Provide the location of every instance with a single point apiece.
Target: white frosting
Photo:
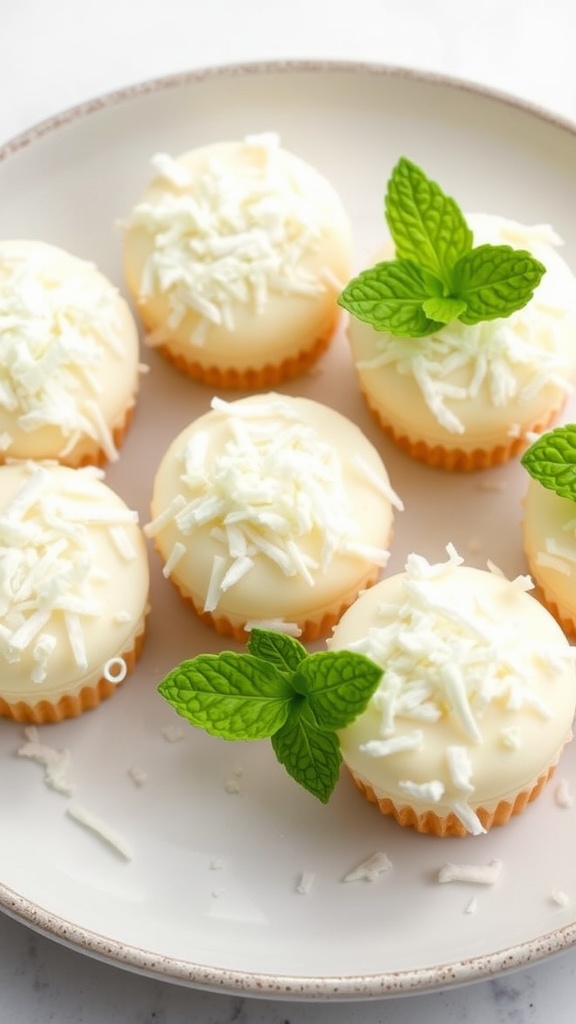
(473, 386)
(72, 599)
(69, 355)
(271, 507)
(549, 533)
(466, 654)
(227, 243)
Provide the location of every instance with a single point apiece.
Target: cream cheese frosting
(73, 582)
(68, 356)
(473, 386)
(271, 508)
(236, 254)
(477, 694)
(549, 534)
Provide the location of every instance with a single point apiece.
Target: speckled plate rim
(276, 986)
(256, 984)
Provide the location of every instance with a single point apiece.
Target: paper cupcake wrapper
(453, 458)
(73, 705)
(431, 823)
(252, 378)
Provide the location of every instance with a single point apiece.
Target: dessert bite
(549, 522)
(475, 702)
(272, 511)
(235, 256)
(74, 587)
(463, 332)
(69, 360)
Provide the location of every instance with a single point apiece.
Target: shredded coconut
(369, 870)
(265, 493)
(99, 828)
(231, 235)
(57, 763)
(563, 794)
(54, 328)
(305, 883)
(478, 874)
(47, 565)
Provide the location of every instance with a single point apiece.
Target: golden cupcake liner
(457, 459)
(430, 823)
(73, 705)
(315, 628)
(252, 378)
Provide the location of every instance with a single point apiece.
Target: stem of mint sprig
(551, 460)
(277, 690)
(438, 275)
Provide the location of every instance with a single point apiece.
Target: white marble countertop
(57, 54)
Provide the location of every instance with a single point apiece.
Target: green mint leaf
(443, 309)
(337, 686)
(311, 756)
(235, 696)
(427, 226)
(552, 460)
(495, 281)
(279, 649)
(390, 297)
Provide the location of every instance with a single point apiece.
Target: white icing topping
(491, 372)
(233, 236)
(54, 327)
(264, 493)
(476, 674)
(49, 572)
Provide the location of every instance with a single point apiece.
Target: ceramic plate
(219, 836)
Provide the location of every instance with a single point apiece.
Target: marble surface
(54, 55)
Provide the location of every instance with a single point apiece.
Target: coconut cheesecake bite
(235, 255)
(272, 511)
(549, 522)
(74, 587)
(475, 702)
(69, 360)
(463, 332)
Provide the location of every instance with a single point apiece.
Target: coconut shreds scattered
(478, 874)
(236, 237)
(563, 794)
(369, 870)
(305, 883)
(472, 906)
(100, 829)
(232, 786)
(172, 733)
(559, 898)
(56, 763)
(138, 775)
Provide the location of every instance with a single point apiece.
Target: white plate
(210, 898)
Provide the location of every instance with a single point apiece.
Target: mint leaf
(438, 276)
(235, 696)
(427, 226)
(338, 686)
(390, 297)
(552, 460)
(495, 281)
(443, 309)
(277, 689)
(309, 754)
(279, 649)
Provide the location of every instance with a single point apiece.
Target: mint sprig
(438, 276)
(277, 689)
(551, 460)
